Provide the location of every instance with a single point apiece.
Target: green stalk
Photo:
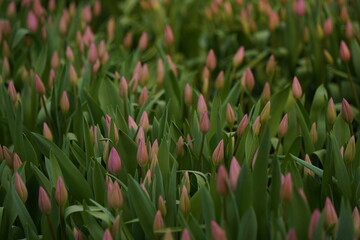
(200, 154)
(353, 87)
(50, 226)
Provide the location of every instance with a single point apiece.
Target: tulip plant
(165, 119)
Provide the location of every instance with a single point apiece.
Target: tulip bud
(219, 82)
(143, 41)
(11, 9)
(184, 202)
(222, 181)
(356, 220)
(313, 133)
(345, 54)
(39, 85)
(32, 22)
(328, 26)
(300, 7)
(114, 162)
(168, 234)
(329, 59)
(86, 14)
(123, 88)
(307, 170)
(47, 132)
(97, 8)
(16, 161)
(160, 72)
(114, 195)
(234, 173)
(140, 135)
(211, 60)
(154, 149)
(55, 62)
(247, 80)
(51, 77)
(201, 105)
(171, 64)
(20, 188)
(217, 232)
(127, 40)
(144, 121)
(61, 193)
(8, 156)
(158, 223)
(162, 206)
(350, 151)
(106, 151)
(331, 112)
(143, 96)
(188, 95)
(115, 229)
(291, 235)
(132, 124)
(144, 74)
(256, 126)
(218, 154)
(69, 54)
(64, 103)
(346, 112)
(186, 181)
(230, 115)
(142, 154)
(296, 88)
(107, 235)
(266, 93)
(185, 235)
(265, 113)
(286, 187)
(169, 36)
(283, 126)
(330, 213)
(349, 30)
(180, 151)
(147, 178)
(44, 201)
(239, 57)
(92, 54)
(73, 77)
(313, 222)
(270, 66)
(242, 125)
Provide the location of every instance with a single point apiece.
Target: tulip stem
(62, 223)
(75, 97)
(200, 154)
(278, 146)
(50, 226)
(353, 87)
(42, 98)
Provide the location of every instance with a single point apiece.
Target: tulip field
(179, 119)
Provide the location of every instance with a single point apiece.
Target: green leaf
(346, 225)
(20, 34)
(208, 210)
(248, 226)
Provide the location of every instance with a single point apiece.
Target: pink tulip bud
(328, 26)
(201, 105)
(204, 123)
(234, 173)
(115, 229)
(350, 151)
(63, 25)
(97, 8)
(266, 93)
(256, 126)
(230, 115)
(307, 170)
(147, 179)
(271, 64)
(47, 132)
(286, 187)
(217, 232)
(123, 88)
(140, 135)
(205, 74)
(346, 112)
(242, 125)
(220, 81)
(184, 202)
(143, 41)
(107, 235)
(168, 234)
(296, 88)
(69, 54)
(73, 77)
(12, 91)
(88, 38)
(331, 112)
(144, 121)
(127, 40)
(143, 96)
(38, 9)
(185, 235)
(64, 103)
(16, 161)
(162, 206)
(51, 78)
(114, 195)
(222, 181)
(189, 141)
(110, 27)
(345, 54)
(142, 154)
(39, 85)
(300, 7)
(247, 80)
(171, 64)
(132, 124)
(32, 22)
(349, 32)
(344, 16)
(144, 74)
(114, 161)
(211, 60)
(180, 151)
(302, 194)
(101, 48)
(265, 113)
(188, 95)
(218, 154)
(44, 201)
(158, 222)
(61, 193)
(52, 5)
(55, 62)
(313, 133)
(169, 36)
(313, 222)
(93, 54)
(356, 220)
(8, 156)
(11, 9)
(86, 14)
(330, 213)
(160, 72)
(20, 188)
(291, 235)
(239, 57)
